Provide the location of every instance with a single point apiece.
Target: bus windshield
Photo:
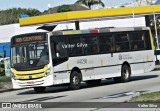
(29, 55)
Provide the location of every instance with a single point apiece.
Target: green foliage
(63, 8)
(151, 23)
(5, 79)
(149, 97)
(11, 16)
(89, 3)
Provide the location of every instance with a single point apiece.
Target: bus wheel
(39, 89)
(94, 82)
(75, 80)
(125, 74)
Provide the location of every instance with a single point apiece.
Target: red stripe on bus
(93, 31)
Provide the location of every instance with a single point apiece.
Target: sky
(42, 5)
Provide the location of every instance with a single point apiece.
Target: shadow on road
(56, 89)
(53, 89)
(42, 99)
(137, 78)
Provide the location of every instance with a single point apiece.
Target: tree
(89, 3)
(151, 22)
(11, 16)
(63, 8)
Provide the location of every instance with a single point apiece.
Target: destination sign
(28, 38)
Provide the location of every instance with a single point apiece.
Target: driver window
(61, 50)
(59, 47)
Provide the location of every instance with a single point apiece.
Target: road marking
(123, 94)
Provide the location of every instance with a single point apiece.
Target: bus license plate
(30, 83)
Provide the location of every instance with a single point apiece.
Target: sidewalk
(157, 66)
(5, 86)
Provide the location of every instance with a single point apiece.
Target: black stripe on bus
(102, 66)
(141, 62)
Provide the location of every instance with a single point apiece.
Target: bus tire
(125, 74)
(39, 89)
(94, 82)
(75, 80)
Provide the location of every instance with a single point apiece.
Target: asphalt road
(108, 91)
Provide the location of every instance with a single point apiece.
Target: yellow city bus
(45, 59)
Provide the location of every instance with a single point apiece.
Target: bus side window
(59, 49)
(118, 48)
(76, 48)
(92, 46)
(137, 41)
(105, 43)
(60, 46)
(147, 40)
(135, 47)
(53, 50)
(122, 42)
(95, 49)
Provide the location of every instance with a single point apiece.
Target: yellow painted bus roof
(89, 15)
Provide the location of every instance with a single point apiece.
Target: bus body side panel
(62, 71)
(143, 62)
(106, 66)
(149, 57)
(137, 63)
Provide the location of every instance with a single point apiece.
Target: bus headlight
(48, 72)
(13, 75)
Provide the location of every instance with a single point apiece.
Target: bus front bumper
(44, 81)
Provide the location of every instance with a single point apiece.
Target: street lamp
(49, 6)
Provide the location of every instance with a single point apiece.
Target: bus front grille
(30, 76)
